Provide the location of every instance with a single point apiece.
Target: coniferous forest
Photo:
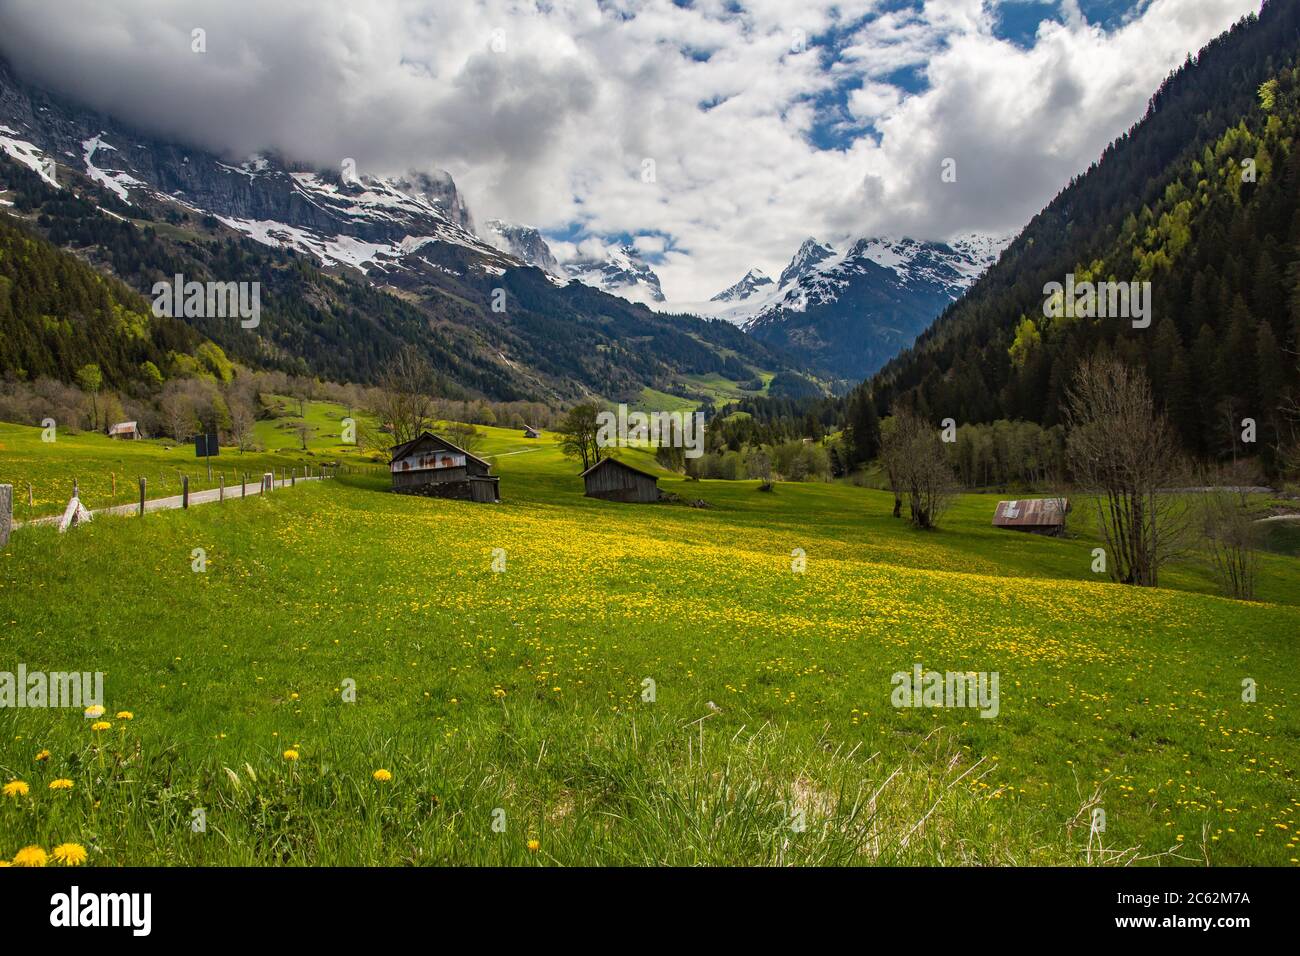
(1201, 199)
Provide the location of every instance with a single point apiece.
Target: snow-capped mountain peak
(620, 270)
(523, 242)
(755, 282)
(852, 309)
(810, 253)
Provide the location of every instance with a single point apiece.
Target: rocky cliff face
(524, 243)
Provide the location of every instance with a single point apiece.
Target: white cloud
(548, 121)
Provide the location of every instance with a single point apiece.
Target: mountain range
(352, 265)
(847, 310)
(837, 313)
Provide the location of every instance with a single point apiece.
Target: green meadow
(560, 680)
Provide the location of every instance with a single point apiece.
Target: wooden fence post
(243, 485)
(185, 491)
(222, 494)
(141, 496)
(6, 512)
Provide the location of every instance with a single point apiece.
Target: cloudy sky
(716, 135)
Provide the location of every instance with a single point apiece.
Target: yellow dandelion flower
(4, 863)
(43, 756)
(534, 846)
(15, 788)
(291, 755)
(125, 715)
(61, 784)
(100, 725)
(94, 710)
(382, 775)
(30, 856)
(70, 854)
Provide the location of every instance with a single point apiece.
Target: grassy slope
(523, 690)
(280, 433)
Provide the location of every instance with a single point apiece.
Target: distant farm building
(1035, 515)
(124, 430)
(531, 432)
(614, 480)
(433, 466)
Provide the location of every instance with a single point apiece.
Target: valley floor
(639, 685)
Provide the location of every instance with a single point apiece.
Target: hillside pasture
(639, 684)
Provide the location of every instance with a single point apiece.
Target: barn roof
(1031, 512)
(398, 451)
(621, 464)
(122, 427)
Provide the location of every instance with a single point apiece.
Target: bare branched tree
(406, 404)
(1123, 451)
(759, 465)
(242, 420)
(465, 435)
(179, 415)
(917, 464)
(1229, 533)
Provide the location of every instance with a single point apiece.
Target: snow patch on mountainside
(115, 181)
(25, 153)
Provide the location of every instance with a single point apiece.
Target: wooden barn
(1035, 515)
(432, 466)
(615, 480)
(124, 430)
(531, 432)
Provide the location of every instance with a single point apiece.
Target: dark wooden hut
(615, 480)
(1036, 515)
(431, 465)
(531, 432)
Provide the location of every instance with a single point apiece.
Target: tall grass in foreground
(651, 790)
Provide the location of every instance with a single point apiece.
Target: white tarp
(73, 515)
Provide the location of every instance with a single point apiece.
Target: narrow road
(507, 454)
(169, 503)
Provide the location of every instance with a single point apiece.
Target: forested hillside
(57, 315)
(1202, 199)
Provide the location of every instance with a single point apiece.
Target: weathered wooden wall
(618, 484)
(428, 476)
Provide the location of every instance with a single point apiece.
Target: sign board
(206, 446)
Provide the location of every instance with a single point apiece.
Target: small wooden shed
(430, 465)
(531, 432)
(615, 480)
(124, 430)
(1035, 515)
